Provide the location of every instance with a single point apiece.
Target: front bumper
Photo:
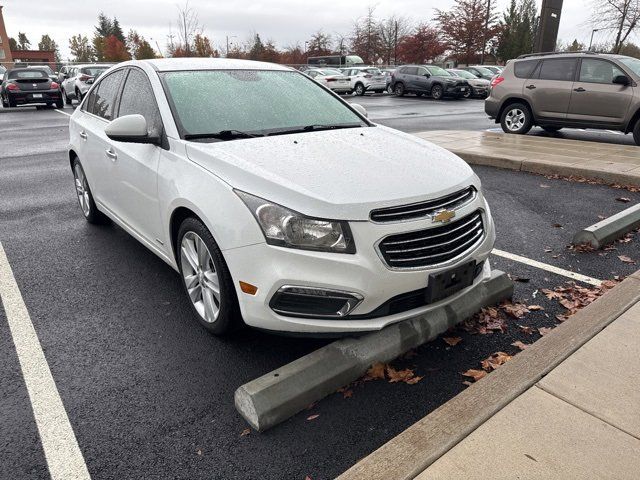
(482, 92)
(456, 90)
(27, 98)
(362, 273)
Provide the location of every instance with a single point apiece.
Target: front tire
(636, 133)
(516, 118)
(206, 279)
(399, 89)
(437, 92)
(85, 197)
(360, 90)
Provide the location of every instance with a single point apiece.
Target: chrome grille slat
(433, 246)
(423, 209)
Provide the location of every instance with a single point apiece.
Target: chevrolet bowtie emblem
(443, 216)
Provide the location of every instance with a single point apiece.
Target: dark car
(24, 86)
(428, 80)
(480, 71)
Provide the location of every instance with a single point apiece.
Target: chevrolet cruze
(280, 205)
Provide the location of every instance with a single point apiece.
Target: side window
(598, 71)
(524, 68)
(411, 70)
(105, 95)
(422, 71)
(138, 97)
(562, 69)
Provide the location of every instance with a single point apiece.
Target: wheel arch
(72, 156)
(179, 215)
(632, 123)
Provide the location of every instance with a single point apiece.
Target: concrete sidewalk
(543, 155)
(567, 407)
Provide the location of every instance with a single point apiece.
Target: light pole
(228, 37)
(484, 33)
(591, 41)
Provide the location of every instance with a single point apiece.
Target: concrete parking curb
(278, 395)
(411, 452)
(609, 229)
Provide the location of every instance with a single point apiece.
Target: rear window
(524, 68)
(93, 71)
(374, 71)
(563, 69)
(28, 74)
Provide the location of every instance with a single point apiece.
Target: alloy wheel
(82, 189)
(200, 276)
(514, 120)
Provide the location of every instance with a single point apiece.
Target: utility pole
(591, 41)
(395, 46)
(547, 33)
(484, 33)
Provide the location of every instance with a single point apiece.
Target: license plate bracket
(444, 284)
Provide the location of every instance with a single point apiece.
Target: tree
(319, 44)
(365, 38)
(102, 31)
(13, 45)
(188, 27)
(202, 46)
(293, 55)
(270, 52)
(257, 48)
(467, 27)
(421, 46)
(621, 16)
(393, 31)
(115, 50)
(116, 30)
(139, 48)
(23, 42)
(47, 43)
(575, 46)
(630, 50)
(517, 29)
(80, 49)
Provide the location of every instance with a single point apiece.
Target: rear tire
(10, 102)
(67, 100)
(59, 104)
(79, 96)
(398, 89)
(85, 197)
(636, 133)
(204, 272)
(436, 92)
(516, 118)
(360, 90)
(4, 103)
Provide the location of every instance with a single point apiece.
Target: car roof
(177, 64)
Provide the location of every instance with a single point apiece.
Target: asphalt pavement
(149, 393)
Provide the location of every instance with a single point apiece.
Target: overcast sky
(284, 21)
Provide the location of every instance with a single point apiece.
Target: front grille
(433, 246)
(422, 209)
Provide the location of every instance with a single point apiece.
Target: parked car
(365, 79)
(496, 69)
(428, 80)
(582, 90)
(330, 78)
(388, 74)
(2, 71)
(79, 79)
(479, 86)
(480, 71)
(264, 191)
(25, 86)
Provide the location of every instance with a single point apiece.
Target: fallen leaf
(453, 341)
(535, 308)
(548, 249)
(312, 417)
(550, 294)
(406, 375)
(561, 318)
(199, 452)
(520, 345)
(526, 329)
(475, 374)
(557, 225)
(467, 383)
(495, 360)
(347, 394)
(544, 330)
(625, 259)
(375, 372)
(515, 310)
(623, 199)
(245, 432)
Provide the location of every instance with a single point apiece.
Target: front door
(595, 98)
(550, 93)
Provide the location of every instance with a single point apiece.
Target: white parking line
(61, 450)
(547, 267)
(63, 113)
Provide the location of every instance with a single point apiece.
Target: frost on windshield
(210, 101)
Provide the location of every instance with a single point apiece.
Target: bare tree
(621, 16)
(188, 27)
(392, 31)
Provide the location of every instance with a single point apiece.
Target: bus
(335, 61)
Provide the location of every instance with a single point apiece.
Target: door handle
(83, 135)
(111, 154)
(579, 89)
(531, 87)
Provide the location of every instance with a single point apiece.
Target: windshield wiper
(222, 135)
(315, 128)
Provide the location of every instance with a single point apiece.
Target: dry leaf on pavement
(520, 345)
(452, 341)
(535, 308)
(544, 330)
(407, 376)
(495, 360)
(245, 432)
(375, 372)
(313, 417)
(515, 310)
(626, 259)
(475, 374)
(623, 199)
(526, 329)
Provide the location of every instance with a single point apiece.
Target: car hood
(339, 174)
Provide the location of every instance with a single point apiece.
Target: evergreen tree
(517, 29)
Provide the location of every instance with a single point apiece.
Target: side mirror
(621, 80)
(90, 81)
(130, 128)
(427, 75)
(360, 109)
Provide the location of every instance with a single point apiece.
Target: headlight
(287, 228)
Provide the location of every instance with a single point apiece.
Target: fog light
(294, 301)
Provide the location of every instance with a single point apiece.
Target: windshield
(484, 71)
(632, 63)
(438, 71)
(28, 74)
(93, 71)
(252, 101)
(464, 74)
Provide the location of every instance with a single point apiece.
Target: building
(9, 58)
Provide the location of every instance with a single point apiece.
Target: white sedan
(332, 79)
(277, 213)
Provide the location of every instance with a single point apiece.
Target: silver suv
(578, 90)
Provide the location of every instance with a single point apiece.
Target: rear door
(595, 98)
(550, 93)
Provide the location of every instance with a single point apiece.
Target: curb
(604, 232)
(410, 453)
(278, 395)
